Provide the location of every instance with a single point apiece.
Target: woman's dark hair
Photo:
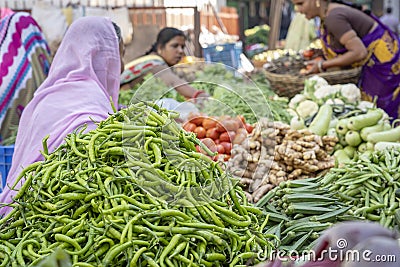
(163, 37)
(118, 31)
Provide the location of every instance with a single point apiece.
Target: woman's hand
(199, 98)
(314, 66)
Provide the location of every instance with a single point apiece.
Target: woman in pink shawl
(83, 76)
(24, 65)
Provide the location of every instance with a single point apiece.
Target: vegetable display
(250, 97)
(220, 132)
(274, 153)
(299, 211)
(132, 192)
(151, 89)
(369, 184)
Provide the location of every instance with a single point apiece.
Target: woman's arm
(180, 85)
(356, 51)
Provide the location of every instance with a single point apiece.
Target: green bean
(133, 262)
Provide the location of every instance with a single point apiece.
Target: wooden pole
(275, 23)
(197, 47)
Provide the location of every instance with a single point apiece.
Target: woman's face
(173, 52)
(122, 54)
(307, 7)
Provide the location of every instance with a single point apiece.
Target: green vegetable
(341, 157)
(359, 122)
(386, 145)
(341, 126)
(362, 147)
(130, 191)
(297, 123)
(371, 129)
(353, 138)
(350, 151)
(332, 132)
(320, 124)
(392, 135)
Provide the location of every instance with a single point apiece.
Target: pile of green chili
(132, 192)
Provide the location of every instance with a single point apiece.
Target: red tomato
(230, 125)
(209, 123)
(210, 144)
(189, 126)
(220, 149)
(212, 133)
(232, 135)
(227, 146)
(220, 127)
(196, 118)
(224, 137)
(217, 141)
(249, 127)
(200, 132)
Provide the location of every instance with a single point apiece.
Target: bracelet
(320, 68)
(199, 92)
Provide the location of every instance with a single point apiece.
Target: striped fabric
(139, 67)
(24, 64)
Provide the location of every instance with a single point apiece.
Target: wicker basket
(290, 85)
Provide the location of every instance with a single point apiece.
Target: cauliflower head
(351, 92)
(296, 100)
(307, 108)
(319, 81)
(326, 91)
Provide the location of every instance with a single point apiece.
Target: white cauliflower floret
(325, 91)
(336, 101)
(365, 105)
(351, 92)
(307, 108)
(296, 100)
(319, 81)
(292, 112)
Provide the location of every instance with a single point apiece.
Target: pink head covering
(5, 11)
(84, 74)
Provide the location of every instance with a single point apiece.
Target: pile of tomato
(219, 134)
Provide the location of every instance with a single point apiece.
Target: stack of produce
(218, 133)
(235, 94)
(131, 192)
(298, 211)
(344, 98)
(274, 153)
(369, 184)
(360, 133)
(151, 89)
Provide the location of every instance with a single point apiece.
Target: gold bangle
(320, 68)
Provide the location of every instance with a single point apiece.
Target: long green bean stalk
(300, 210)
(132, 192)
(369, 183)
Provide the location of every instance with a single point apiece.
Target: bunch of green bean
(298, 211)
(369, 184)
(132, 192)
